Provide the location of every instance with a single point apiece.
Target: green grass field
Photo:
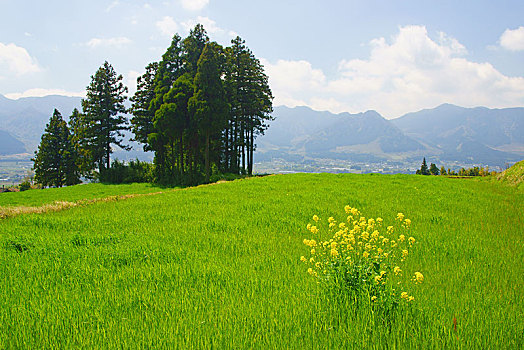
(218, 266)
(73, 193)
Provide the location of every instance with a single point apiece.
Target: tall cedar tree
(208, 103)
(142, 120)
(102, 109)
(78, 130)
(55, 159)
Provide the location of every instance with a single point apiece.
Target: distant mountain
(26, 118)
(479, 135)
(303, 132)
(9, 144)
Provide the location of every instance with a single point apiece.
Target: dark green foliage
(55, 160)
(200, 109)
(208, 104)
(134, 171)
(423, 168)
(433, 170)
(103, 118)
(443, 171)
(24, 186)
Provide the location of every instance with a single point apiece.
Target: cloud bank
(513, 40)
(16, 60)
(43, 92)
(410, 72)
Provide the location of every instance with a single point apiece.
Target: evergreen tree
(55, 159)
(423, 168)
(142, 120)
(208, 103)
(78, 131)
(433, 170)
(443, 171)
(103, 110)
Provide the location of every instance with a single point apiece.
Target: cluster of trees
(199, 109)
(434, 170)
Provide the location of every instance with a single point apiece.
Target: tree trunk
(207, 156)
(251, 149)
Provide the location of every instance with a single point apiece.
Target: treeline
(434, 170)
(199, 109)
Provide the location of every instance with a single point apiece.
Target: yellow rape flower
(334, 252)
(316, 218)
(312, 260)
(411, 240)
(380, 250)
(378, 279)
(373, 298)
(418, 278)
(411, 298)
(401, 238)
(314, 229)
(331, 219)
(342, 225)
(407, 222)
(303, 258)
(313, 251)
(397, 270)
(308, 227)
(390, 229)
(365, 254)
(347, 209)
(400, 216)
(404, 253)
(331, 225)
(404, 295)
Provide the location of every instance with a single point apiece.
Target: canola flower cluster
(363, 256)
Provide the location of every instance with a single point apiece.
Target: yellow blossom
(385, 241)
(347, 208)
(397, 270)
(404, 295)
(303, 258)
(334, 252)
(316, 218)
(386, 255)
(342, 225)
(378, 279)
(312, 260)
(380, 250)
(401, 238)
(331, 225)
(373, 298)
(400, 216)
(407, 222)
(390, 229)
(308, 227)
(419, 278)
(313, 251)
(331, 219)
(314, 229)
(404, 253)
(365, 254)
(411, 240)
(411, 298)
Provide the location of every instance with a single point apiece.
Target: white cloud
(513, 39)
(108, 42)
(194, 5)
(409, 73)
(112, 5)
(16, 59)
(43, 92)
(131, 78)
(167, 26)
(217, 33)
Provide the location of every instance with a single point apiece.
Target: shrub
(134, 171)
(24, 186)
(362, 260)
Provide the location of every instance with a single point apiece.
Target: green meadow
(219, 266)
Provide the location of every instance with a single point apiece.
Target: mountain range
(447, 133)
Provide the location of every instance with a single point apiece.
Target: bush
(134, 171)
(24, 186)
(362, 260)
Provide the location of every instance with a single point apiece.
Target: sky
(392, 56)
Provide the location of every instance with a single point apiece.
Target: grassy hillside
(72, 193)
(513, 176)
(218, 266)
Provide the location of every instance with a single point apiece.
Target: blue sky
(390, 56)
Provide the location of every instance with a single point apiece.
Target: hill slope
(219, 267)
(9, 144)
